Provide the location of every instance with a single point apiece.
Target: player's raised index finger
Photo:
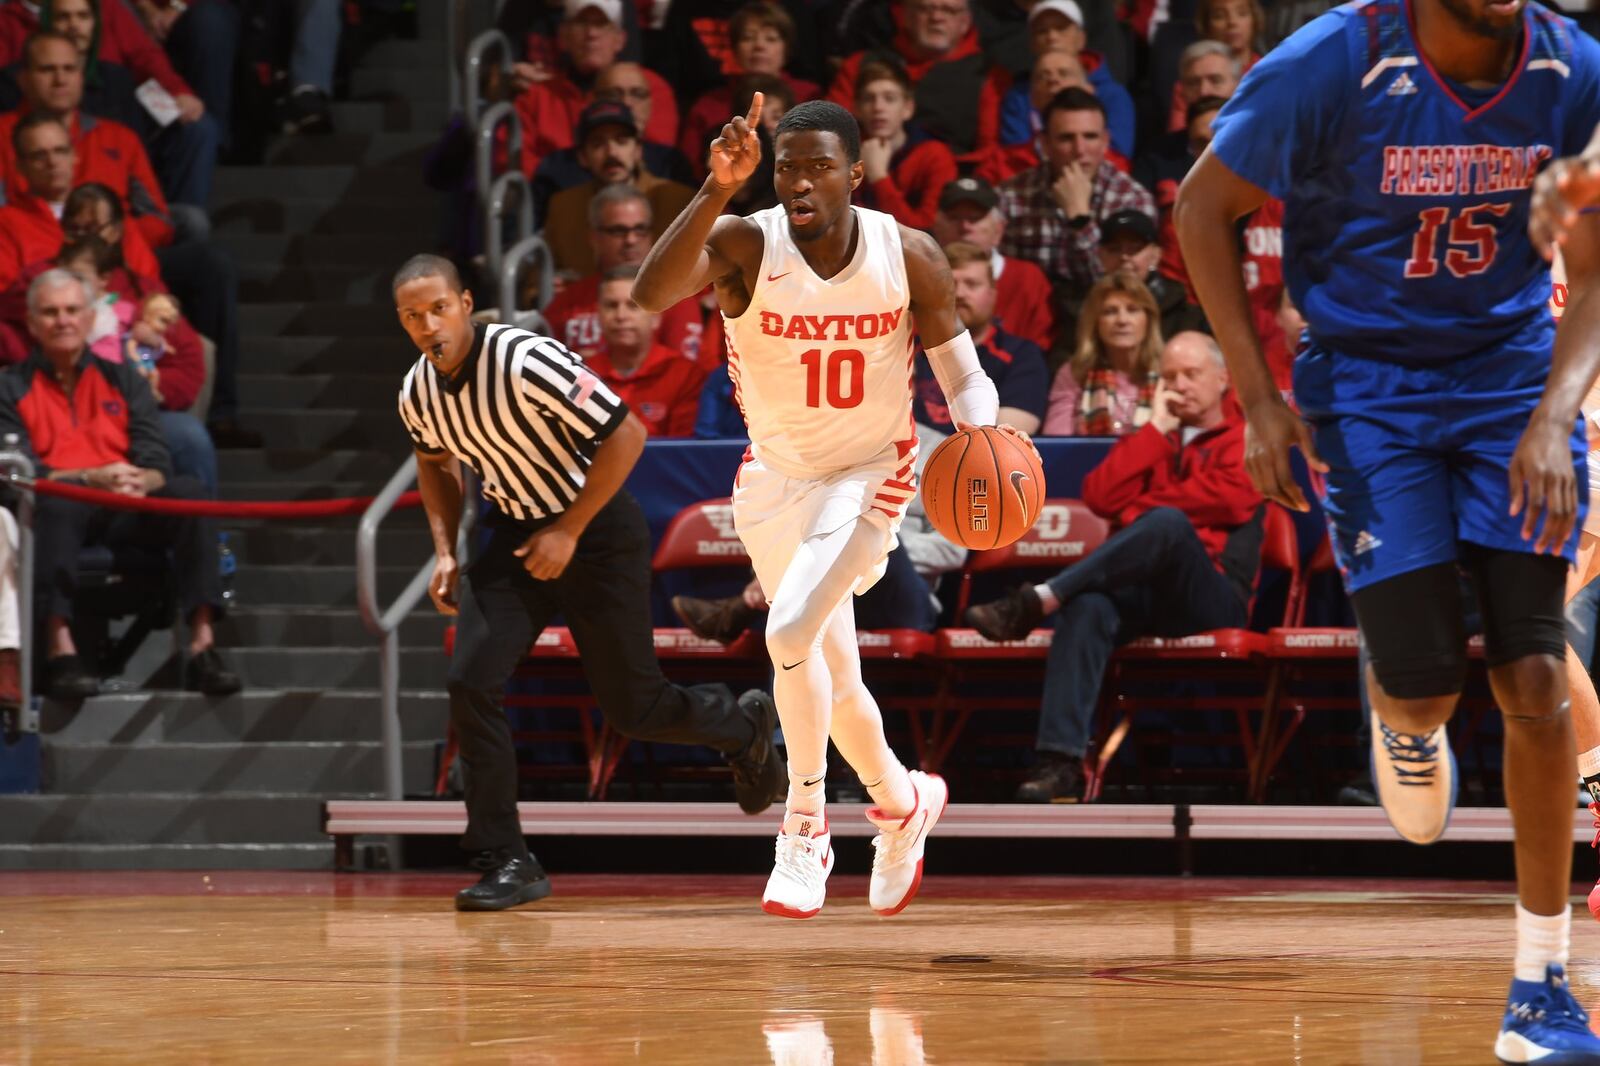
(756, 100)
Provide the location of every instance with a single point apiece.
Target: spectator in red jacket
(657, 383)
(87, 421)
(761, 36)
(905, 169)
(958, 92)
(621, 232)
(184, 152)
(550, 99)
(969, 211)
(107, 152)
(1183, 559)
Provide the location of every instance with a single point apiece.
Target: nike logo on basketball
(1017, 478)
(775, 277)
(791, 666)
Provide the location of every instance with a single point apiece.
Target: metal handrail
(16, 465)
(494, 212)
(490, 186)
(474, 67)
(384, 623)
(529, 247)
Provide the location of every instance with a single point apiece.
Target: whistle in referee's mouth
(438, 351)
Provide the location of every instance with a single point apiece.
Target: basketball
(982, 488)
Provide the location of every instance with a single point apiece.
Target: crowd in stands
(119, 318)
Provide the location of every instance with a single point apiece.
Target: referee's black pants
(604, 595)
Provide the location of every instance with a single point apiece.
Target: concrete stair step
(423, 55)
(315, 856)
(328, 627)
(263, 322)
(250, 716)
(354, 283)
(212, 769)
(290, 465)
(384, 352)
(342, 148)
(332, 249)
(375, 213)
(429, 111)
(332, 428)
(315, 182)
(173, 818)
(313, 586)
(338, 667)
(410, 85)
(403, 541)
(301, 391)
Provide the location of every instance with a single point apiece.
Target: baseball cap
(1136, 223)
(612, 9)
(968, 191)
(1068, 8)
(605, 113)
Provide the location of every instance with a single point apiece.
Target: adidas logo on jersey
(1365, 542)
(1402, 86)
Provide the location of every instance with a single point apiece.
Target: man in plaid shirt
(1053, 212)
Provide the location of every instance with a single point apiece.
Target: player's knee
(1420, 675)
(1531, 688)
(789, 638)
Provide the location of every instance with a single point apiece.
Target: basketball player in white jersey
(819, 300)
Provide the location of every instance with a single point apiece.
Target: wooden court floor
(375, 968)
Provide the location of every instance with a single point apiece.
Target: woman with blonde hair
(1107, 387)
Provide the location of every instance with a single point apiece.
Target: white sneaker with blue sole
(1414, 776)
(1544, 1024)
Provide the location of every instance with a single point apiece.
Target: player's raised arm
(1210, 201)
(1543, 479)
(690, 254)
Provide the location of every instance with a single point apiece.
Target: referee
(551, 446)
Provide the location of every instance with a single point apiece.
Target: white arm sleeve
(967, 389)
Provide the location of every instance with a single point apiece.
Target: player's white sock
(805, 791)
(893, 793)
(1047, 598)
(1589, 770)
(1541, 940)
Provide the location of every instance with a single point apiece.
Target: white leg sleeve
(10, 610)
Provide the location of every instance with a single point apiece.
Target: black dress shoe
(759, 775)
(509, 880)
(1056, 779)
(723, 621)
(207, 673)
(66, 679)
(1012, 617)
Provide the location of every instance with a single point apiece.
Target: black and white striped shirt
(522, 412)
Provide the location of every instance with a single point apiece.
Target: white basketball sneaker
(1415, 778)
(799, 881)
(897, 866)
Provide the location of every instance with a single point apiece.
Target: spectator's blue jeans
(316, 44)
(185, 159)
(1150, 578)
(193, 454)
(203, 45)
(206, 282)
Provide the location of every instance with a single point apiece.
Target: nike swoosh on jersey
(775, 277)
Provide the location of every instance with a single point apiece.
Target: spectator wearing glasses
(610, 150)
(621, 233)
(94, 423)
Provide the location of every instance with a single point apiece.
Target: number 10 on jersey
(840, 374)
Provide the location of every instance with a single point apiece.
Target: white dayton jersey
(822, 369)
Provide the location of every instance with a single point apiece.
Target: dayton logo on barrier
(719, 538)
(1048, 537)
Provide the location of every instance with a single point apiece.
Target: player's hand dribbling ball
(982, 487)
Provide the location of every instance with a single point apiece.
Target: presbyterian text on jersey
(1459, 169)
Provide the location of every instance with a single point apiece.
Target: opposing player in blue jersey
(1440, 405)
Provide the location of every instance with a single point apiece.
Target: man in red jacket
(657, 383)
(1184, 559)
(107, 152)
(958, 91)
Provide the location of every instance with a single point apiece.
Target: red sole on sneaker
(916, 882)
(780, 911)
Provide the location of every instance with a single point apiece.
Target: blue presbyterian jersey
(1406, 195)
